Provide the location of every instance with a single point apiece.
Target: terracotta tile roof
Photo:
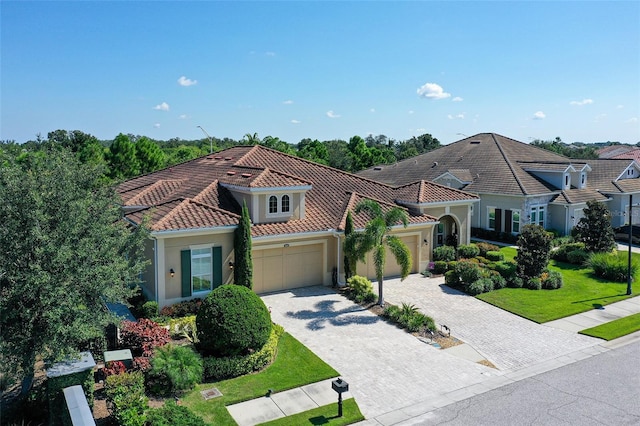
(632, 154)
(613, 150)
(491, 159)
(196, 194)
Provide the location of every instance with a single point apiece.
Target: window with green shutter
(201, 270)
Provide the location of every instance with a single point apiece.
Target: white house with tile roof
(520, 183)
(298, 210)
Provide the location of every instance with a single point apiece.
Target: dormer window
(279, 205)
(583, 178)
(566, 181)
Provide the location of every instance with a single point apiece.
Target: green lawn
(581, 292)
(614, 329)
(326, 415)
(295, 365)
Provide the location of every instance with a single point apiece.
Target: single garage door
(392, 269)
(283, 268)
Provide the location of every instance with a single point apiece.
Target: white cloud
(457, 99)
(582, 102)
(184, 81)
(372, 110)
(288, 102)
(632, 120)
(332, 114)
(183, 116)
(156, 125)
(432, 91)
(457, 116)
(162, 107)
(270, 53)
(295, 122)
(410, 111)
(421, 129)
(620, 106)
(539, 115)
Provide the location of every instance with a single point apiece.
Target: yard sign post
(630, 235)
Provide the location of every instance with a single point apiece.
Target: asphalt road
(601, 390)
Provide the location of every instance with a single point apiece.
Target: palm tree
(376, 236)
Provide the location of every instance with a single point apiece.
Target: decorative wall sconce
(230, 265)
(172, 272)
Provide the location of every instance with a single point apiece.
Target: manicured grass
(326, 415)
(295, 365)
(581, 292)
(509, 252)
(614, 329)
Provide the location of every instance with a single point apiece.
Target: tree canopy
(65, 252)
(594, 229)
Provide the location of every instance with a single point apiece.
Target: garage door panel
(392, 269)
(289, 267)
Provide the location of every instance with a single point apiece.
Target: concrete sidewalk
(285, 403)
(595, 317)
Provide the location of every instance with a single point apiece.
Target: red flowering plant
(143, 336)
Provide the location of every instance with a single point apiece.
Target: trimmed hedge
(172, 414)
(228, 367)
(125, 394)
(445, 253)
(439, 267)
(232, 320)
(486, 247)
(495, 256)
(468, 251)
(360, 289)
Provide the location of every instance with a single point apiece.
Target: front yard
(581, 292)
(295, 366)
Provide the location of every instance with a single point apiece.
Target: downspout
(338, 262)
(155, 255)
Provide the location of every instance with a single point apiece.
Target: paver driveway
(510, 342)
(387, 368)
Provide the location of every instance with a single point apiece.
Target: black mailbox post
(340, 386)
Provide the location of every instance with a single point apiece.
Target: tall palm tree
(376, 237)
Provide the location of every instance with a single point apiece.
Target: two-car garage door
(282, 268)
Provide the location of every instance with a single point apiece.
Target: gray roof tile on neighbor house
(605, 172)
(575, 196)
(196, 194)
(492, 160)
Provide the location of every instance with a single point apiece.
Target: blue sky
(322, 70)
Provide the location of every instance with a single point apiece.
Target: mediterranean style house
(519, 183)
(298, 210)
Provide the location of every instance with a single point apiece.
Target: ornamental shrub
(149, 309)
(125, 394)
(533, 283)
(360, 289)
(551, 280)
(468, 251)
(143, 336)
(232, 320)
(498, 280)
(534, 247)
(486, 247)
(174, 369)
(515, 282)
(392, 312)
(468, 271)
(506, 268)
(439, 267)
(562, 252)
(219, 368)
(451, 278)
(578, 257)
(612, 266)
(495, 256)
(181, 309)
(172, 414)
(479, 286)
(446, 253)
(184, 327)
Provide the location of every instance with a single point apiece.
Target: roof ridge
(506, 159)
(204, 191)
(165, 218)
(349, 205)
(209, 206)
(153, 186)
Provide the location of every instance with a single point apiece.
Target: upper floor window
(537, 216)
(566, 180)
(515, 221)
(273, 204)
(583, 178)
(279, 204)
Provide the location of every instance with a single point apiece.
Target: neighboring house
(519, 183)
(298, 210)
(615, 151)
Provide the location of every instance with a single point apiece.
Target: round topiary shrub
(232, 320)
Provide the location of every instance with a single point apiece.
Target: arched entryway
(446, 232)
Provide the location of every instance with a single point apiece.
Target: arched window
(285, 203)
(273, 204)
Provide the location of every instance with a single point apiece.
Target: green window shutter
(217, 266)
(185, 264)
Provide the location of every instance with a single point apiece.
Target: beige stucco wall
(173, 246)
